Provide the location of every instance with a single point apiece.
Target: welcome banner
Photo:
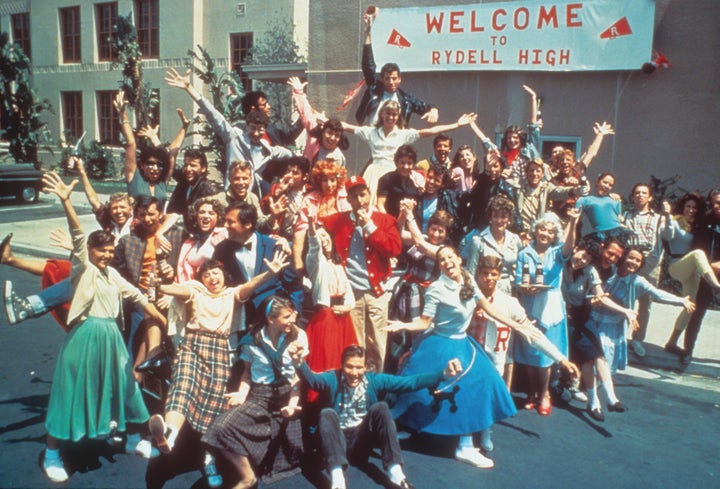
(523, 36)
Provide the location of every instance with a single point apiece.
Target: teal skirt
(93, 384)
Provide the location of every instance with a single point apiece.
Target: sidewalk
(31, 238)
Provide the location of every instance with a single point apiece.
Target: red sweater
(384, 243)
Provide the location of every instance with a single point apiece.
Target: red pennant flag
(397, 39)
(619, 28)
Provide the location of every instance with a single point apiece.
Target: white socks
(396, 473)
(337, 478)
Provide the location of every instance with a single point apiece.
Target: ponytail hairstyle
(467, 291)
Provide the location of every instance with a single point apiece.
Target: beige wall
(663, 120)
(183, 25)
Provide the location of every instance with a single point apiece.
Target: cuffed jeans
(376, 430)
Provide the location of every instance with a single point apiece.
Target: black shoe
(596, 414)
(406, 484)
(674, 349)
(618, 407)
(685, 359)
(154, 363)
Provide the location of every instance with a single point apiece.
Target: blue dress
(546, 308)
(467, 403)
(610, 327)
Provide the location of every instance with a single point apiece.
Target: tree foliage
(226, 91)
(126, 54)
(98, 158)
(20, 108)
(277, 46)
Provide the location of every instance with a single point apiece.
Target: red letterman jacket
(384, 243)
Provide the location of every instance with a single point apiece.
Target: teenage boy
(386, 86)
(646, 224)
(354, 420)
(496, 338)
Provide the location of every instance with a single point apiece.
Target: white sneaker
(638, 348)
(143, 448)
(55, 470)
(579, 396)
(473, 457)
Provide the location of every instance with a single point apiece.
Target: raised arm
(463, 120)
(90, 193)
(52, 184)
(427, 249)
(533, 104)
(278, 263)
(601, 130)
(305, 110)
(127, 131)
(486, 141)
(175, 79)
(368, 60)
(569, 238)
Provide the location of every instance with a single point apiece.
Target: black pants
(702, 302)
(376, 430)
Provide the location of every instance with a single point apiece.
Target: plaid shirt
(130, 250)
(353, 407)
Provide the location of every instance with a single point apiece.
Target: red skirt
(328, 335)
(56, 271)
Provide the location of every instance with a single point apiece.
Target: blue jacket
(287, 281)
(329, 385)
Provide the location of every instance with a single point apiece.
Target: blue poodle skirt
(469, 402)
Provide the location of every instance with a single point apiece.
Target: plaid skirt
(257, 430)
(199, 382)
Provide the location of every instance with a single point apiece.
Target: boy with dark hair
(354, 420)
(442, 146)
(192, 183)
(386, 86)
(403, 183)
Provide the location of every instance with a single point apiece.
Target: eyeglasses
(151, 163)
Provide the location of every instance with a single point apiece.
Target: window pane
(70, 26)
(147, 15)
(72, 114)
(21, 31)
(240, 46)
(108, 123)
(106, 15)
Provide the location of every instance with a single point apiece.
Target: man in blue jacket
(243, 255)
(356, 420)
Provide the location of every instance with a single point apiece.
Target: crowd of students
(298, 296)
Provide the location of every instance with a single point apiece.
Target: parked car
(21, 181)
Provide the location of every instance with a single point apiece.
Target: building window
(240, 46)
(108, 122)
(147, 15)
(105, 17)
(72, 114)
(70, 29)
(21, 31)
